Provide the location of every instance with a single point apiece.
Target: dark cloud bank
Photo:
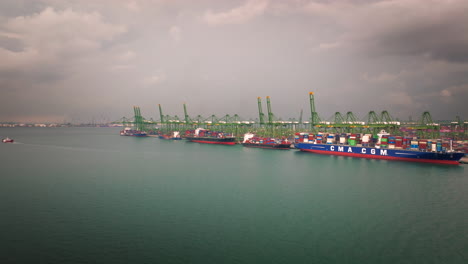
(64, 60)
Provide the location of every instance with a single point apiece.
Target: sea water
(88, 195)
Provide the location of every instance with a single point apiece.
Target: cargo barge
(253, 141)
(385, 147)
(201, 135)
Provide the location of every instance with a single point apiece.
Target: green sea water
(88, 195)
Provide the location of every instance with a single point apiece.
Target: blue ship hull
(387, 154)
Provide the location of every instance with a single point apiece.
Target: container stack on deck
(387, 141)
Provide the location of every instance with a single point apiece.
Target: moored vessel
(175, 135)
(384, 146)
(251, 140)
(201, 135)
(132, 132)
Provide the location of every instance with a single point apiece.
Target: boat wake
(71, 148)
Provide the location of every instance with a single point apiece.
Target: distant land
(18, 124)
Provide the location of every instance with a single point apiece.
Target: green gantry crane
(314, 117)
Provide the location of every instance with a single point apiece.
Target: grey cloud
(20, 8)
(241, 14)
(11, 44)
(52, 37)
(438, 29)
(442, 40)
(419, 28)
(103, 57)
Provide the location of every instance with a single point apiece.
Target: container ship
(251, 140)
(201, 135)
(384, 146)
(175, 135)
(133, 133)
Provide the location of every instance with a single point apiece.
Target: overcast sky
(79, 60)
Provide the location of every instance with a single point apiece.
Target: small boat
(7, 140)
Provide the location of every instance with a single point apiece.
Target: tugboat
(250, 140)
(7, 140)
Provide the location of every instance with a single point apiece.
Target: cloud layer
(62, 60)
(53, 37)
